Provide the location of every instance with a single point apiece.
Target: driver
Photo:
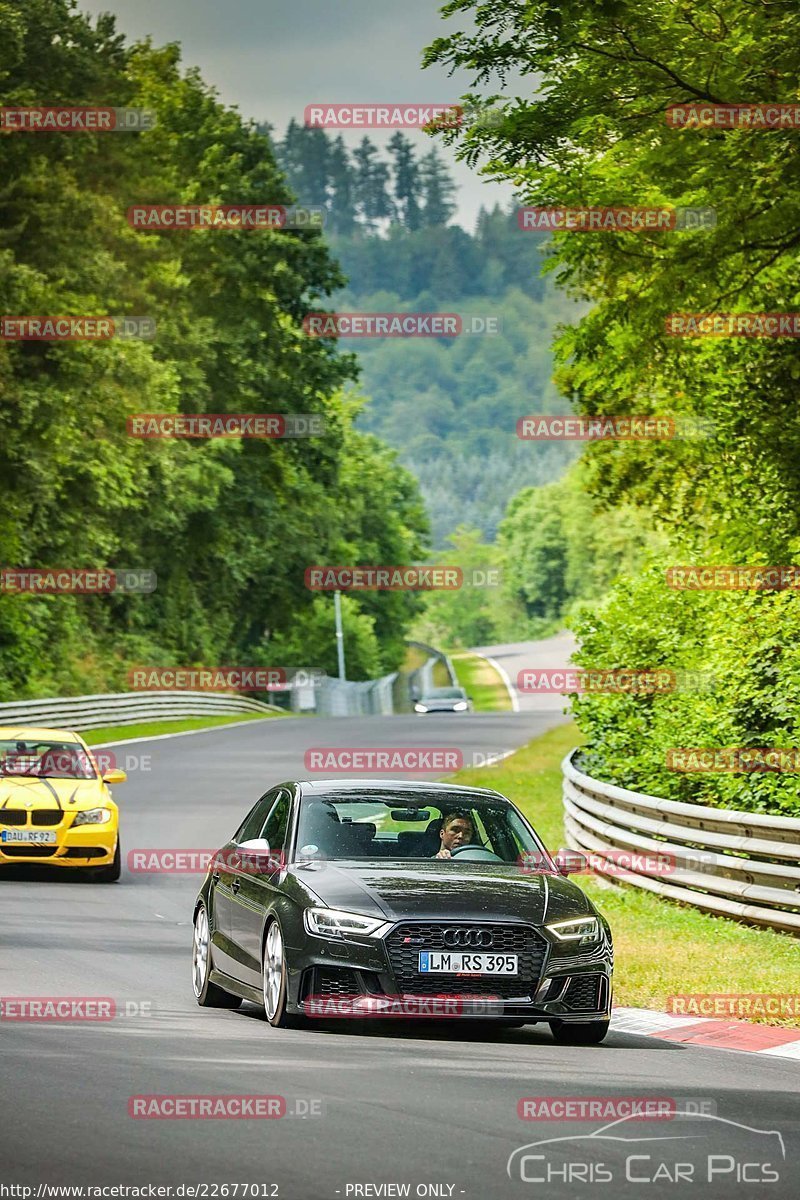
(457, 830)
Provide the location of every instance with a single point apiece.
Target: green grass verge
(482, 682)
(440, 674)
(414, 659)
(118, 733)
(662, 948)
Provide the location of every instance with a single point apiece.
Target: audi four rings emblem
(468, 937)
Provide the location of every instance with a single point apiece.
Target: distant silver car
(444, 699)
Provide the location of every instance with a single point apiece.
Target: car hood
(71, 794)
(440, 705)
(443, 891)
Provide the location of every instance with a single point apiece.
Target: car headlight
(584, 930)
(92, 816)
(420, 708)
(461, 706)
(334, 923)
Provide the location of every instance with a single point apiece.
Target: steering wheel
(484, 854)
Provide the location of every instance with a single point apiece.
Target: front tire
(590, 1034)
(207, 994)
(274, 976)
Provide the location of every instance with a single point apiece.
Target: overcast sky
(271, 58)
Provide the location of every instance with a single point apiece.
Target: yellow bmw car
(55, 806)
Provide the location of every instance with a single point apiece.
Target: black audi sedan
(372, 898)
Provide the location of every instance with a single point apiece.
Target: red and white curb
(705, 1031)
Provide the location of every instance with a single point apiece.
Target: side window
(254, 821)
(278, 820)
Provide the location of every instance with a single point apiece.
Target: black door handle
(235, 886)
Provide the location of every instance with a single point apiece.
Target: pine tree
(373, 201)
(342, 206)
(407, 181)
(438, 189)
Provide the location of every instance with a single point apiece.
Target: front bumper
(365, 978)
(84, 846)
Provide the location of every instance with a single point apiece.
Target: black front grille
(12, 816)
(12, 851)
(46, 816)
(85, 852)
(515, 939)
(583, 993)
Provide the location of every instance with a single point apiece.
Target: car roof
(32, 732)
(311, 787)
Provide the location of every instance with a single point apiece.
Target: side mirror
(115, 776)
(255, 855)
(571, 862)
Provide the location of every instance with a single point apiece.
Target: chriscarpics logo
(690, 1151)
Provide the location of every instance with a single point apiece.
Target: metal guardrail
(125, 708)
(345, 698)
(724, 861)
(422, 678)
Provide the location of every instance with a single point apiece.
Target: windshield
(45, 760)
(445, 694)
(408, 826)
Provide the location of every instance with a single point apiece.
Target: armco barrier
(732, 863)
(125, 708)
(346, 698)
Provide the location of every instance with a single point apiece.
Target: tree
(438, 190)
(406, 181)
(228, 526)
(596, 133)
(342, 207)
(372, 185)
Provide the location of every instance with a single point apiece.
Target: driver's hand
(444, 853)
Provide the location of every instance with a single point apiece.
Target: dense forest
(227, 525)
(448, 406)
(596, 133)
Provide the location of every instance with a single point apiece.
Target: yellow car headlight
(92, 816)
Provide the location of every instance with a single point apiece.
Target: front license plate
(458, 963)
(28, 835)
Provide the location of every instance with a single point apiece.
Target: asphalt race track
(433, 1106)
